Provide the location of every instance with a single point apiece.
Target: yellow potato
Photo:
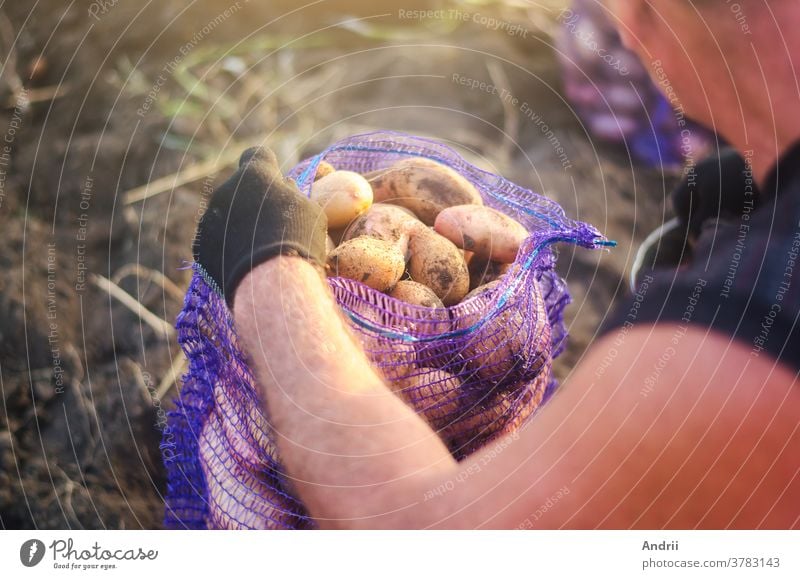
(343, 195)
(487, 233)
(393, 358)
(387, 222)
(417, 294)
(437, 263)
(500, 413)
(439, 353)
(374, 262)
(509, 345)
(423, 186)
(482, 271)
(478, 423)
(433, 394)
(483, 289)
(323, 169)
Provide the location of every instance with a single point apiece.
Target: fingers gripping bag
(475, 371)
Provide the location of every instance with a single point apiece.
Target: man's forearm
(366, 460)
(355, 450)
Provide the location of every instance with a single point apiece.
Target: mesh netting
(474, 371)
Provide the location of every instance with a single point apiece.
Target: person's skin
(715, 444)
(744, 86)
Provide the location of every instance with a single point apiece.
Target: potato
(500, 413)
(394, 359)
(323, 169)
(437, 263)
(423, 186)
(482, 271)
(484, 231)
(433, 394)
(485, 288)
(387, 222)
(343, 195)
(329, 244)
(481, 420)
(442, 354)
(417, 294)
(374, 262)
(509, 346)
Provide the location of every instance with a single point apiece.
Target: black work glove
(718, 191)
(256, 215)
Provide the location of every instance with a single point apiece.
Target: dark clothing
(743, 275)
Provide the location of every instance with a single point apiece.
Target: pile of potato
(417, 231)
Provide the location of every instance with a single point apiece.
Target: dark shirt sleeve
(743, 277)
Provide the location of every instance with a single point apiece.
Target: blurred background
(119, 117)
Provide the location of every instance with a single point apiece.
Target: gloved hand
(254, 216)
(717, 192)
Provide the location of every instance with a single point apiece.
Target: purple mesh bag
(474, 371)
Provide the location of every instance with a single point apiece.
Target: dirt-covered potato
(483, 289)
(509, 345)
(482, 271)
(387, 222)
(374, 262)
(323, 169)
(480, 423)
(393, 359)
(343, 195)
(423, 186)
(484, 231)
(433, 394)
(417, 294)
(439, 353)
(439, 264)
(500, 413)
